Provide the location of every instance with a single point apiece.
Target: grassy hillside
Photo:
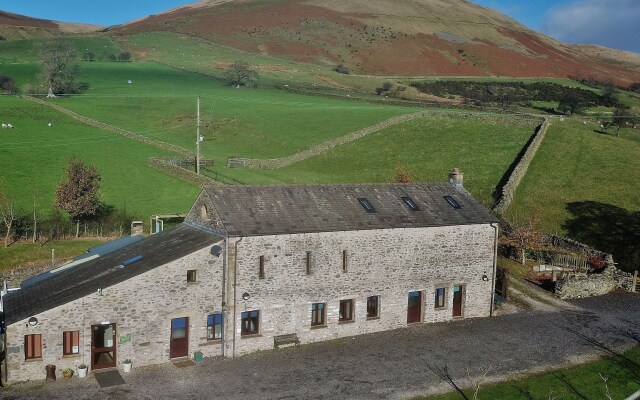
(33, 157)
(585, 184)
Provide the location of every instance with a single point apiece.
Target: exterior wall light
(485, 278)
(245, 296)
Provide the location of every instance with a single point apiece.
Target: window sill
(253, 335)
(33, 360)
(414, 323)
(318, 326)
(372, 318)
(77, 355)
(349, 321)
(210, 342)
(437, 309)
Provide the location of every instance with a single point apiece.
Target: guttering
(224, 292)
(235, 282)
(495, 265)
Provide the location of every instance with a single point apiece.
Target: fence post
(635, 281)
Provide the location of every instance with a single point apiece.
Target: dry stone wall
(276, 163)
(509, 189)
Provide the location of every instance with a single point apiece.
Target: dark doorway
(458, 300)
(179, 346)
(414, 307)
(103, 346)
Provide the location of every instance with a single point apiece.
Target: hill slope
(385, 37)
(15, 26)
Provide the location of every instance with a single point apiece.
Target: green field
(33, 157)
(582, 382)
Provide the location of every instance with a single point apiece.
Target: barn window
(373, 306)
(346, 310)
(366, 205)
(191, 276)
(214, 326)
(344, 261)
(440, 297)
(250, 323)
(318, 314)
(308, 263)
(261, 267)
(32, 347)
(452, 202)
(412, 204)
(70, 343)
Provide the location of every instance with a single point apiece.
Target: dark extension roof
(70, 285)
(271, 210)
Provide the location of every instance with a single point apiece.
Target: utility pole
(198, 140)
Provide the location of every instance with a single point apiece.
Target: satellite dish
(216, 250)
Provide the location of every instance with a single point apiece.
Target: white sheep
(49, 125)
(4, 126)
(9, 126)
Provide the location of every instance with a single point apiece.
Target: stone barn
(258, 267)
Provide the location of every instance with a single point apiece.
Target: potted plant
(127, 365)
(67, 373)
(82, 371)
(198, 356)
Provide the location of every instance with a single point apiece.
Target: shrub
(342, 69)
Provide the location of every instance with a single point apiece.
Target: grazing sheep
(49, 125)
(9, 126)
(4, 126)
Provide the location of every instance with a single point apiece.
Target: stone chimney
(456, 178)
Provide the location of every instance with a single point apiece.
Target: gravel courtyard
(386, 365)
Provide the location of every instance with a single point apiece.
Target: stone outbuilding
(258, 267)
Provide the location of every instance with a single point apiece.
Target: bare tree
(526, 237)
(239, 74)
(402, 175)
(9, 215)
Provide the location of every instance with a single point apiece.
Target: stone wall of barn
(142, 308)
(387, 263)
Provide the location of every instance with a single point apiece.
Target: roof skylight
(452, 202)
(366, 205)
(412, 205)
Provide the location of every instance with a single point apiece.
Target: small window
(317, 314)
(366, 205)
(204, 212)
(32, 347)
(346, 310)
(308, 263)
(412, 205)
(344, 261)
(261, 268)
(452, 202)
(373, 306)
(70, 343)
(191, 275)
(250, 323)
(440, 298)
(214, 326)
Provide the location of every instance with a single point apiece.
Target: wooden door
(179, 346)
(458, 300)
(103, 346)
(414, 307)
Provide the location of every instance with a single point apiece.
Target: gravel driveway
(387, 365)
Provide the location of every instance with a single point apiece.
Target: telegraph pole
(198, 140)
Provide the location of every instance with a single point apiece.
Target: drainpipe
(235, 280)
(495, 266)
(224, 284)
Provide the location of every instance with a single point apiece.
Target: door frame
(186, 338)
(463, 293)
(95, 349)
(420, 299)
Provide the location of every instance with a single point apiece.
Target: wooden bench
(285, 340)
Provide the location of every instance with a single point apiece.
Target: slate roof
(271, 210)
(87, 278)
